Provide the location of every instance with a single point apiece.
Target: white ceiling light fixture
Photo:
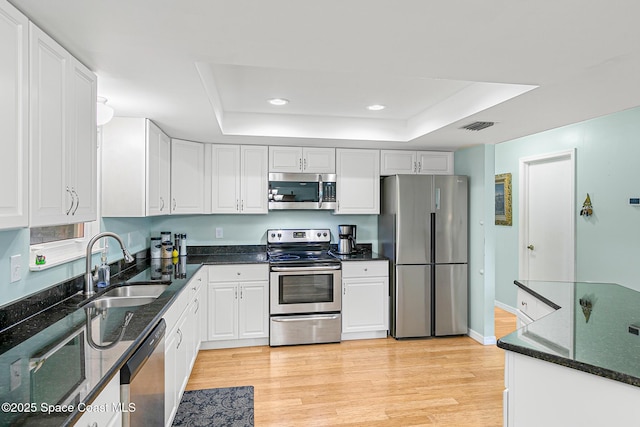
(376, 107)
(278, 101)
(104, 113)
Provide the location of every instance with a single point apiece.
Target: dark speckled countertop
(42, 321)
(594, 340)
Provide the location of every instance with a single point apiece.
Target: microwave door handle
(320, 192)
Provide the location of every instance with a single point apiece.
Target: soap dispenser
(104, 273)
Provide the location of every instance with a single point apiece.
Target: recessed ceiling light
(278, 101)
(376, 107)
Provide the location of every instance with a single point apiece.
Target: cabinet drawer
(527, 304)
(365, 269)
(238, 273)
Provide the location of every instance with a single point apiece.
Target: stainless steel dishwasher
(142, 382)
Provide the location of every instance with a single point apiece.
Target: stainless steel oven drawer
(305, 329)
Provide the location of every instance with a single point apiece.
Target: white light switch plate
(219, 233)
(15, 268)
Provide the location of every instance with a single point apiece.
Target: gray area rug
(218, 407)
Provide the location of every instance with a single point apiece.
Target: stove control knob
(318, 234)
(324, 234)
(273, 235)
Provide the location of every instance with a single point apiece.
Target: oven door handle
(305, 318)
(311, 268)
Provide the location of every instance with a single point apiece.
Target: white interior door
(547, 212)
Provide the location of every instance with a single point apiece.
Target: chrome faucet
(88, 277)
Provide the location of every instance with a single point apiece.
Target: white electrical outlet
(15, 268)
(219, 233)
(16, 374)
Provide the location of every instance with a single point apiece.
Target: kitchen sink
(137, 289)
(130, 294)
(115, 302)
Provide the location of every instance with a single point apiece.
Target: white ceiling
(203, 69)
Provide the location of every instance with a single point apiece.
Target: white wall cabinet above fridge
(403, 162)
(62, 135)
(136, 164)
(358, 181)
(302, 159)
(14, 104)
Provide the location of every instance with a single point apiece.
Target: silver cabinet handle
(179, 342)
(77, 197)
(237, 205)
(174, 204)
(161, 204)
(304, 167)
(300, 162)
(415, 167)
(242, 205)
(71, 195)
(419, 166)
(241, 288)
(197, 306)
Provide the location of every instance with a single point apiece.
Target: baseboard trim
(481, 338)
(505, 307)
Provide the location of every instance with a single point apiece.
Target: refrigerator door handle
(437, 197)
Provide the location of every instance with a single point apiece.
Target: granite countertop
(38, 323)
(28, 340)
(589, 331)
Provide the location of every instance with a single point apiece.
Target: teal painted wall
(607, 243)
(200, 229)
(478, 164)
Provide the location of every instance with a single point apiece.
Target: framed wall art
(503, 199)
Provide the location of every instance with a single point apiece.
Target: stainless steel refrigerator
(423, 230)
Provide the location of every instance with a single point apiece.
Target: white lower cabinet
(182, 342)
(108, 398)
(237, 305)
(365, 299)
(540, 393)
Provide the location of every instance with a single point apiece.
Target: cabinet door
(358, 181)
(254, 179)
(225, 179)
(170, 384)
(222, 307)
(365, 304)
(285, 159)
(82, 173)
(394, 162)
(187, 177)
(435, 163)
(14, 120)
(254, 310)
(158, 164)
(51, 198)
(319, 160)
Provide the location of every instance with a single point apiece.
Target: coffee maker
(346, 239)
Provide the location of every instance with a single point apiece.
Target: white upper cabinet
(358, 181)
(239, 179)
(62, 135)
(14, 105)
(187, 177)
(400, 162)
(158, 183)
(136, 167)
(225, 178)
(254, 183)
(302, 159)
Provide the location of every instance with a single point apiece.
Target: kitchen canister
(165, 236)
(167, 249)
(183, 245)
(156, 247)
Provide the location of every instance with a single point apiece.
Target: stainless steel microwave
(302, 191)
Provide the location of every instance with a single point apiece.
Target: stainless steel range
(305, 287)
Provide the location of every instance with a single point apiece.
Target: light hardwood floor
(383, 382)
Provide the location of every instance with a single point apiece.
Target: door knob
(530, 247)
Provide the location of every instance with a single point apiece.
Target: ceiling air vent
(478, 125)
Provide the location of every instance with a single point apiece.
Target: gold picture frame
(503, 199)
